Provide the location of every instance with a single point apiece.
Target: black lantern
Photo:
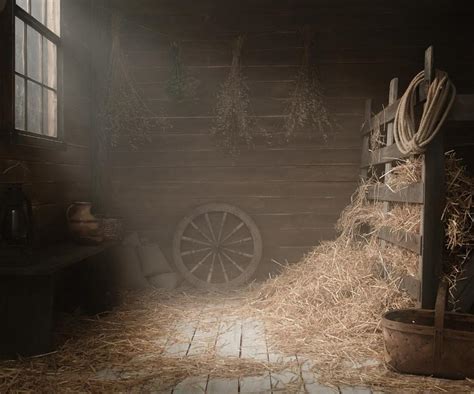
(15, 217)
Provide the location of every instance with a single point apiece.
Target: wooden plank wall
(294, 192)
(55, 178)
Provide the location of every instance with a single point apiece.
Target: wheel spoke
(209, 276)
(233, 262)
(239, 253)
(194, 251)
(224, 217)
(210, 227)
(240, 241)
(237, 228)
(200, 262)
(200, 231)
(223, 268)
(196, 241)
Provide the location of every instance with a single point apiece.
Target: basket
(112, 228)
(427, 342)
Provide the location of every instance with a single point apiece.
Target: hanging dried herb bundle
(180, 85)
(306, 111)
(233, 127)
(124, 116)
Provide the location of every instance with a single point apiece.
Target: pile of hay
(328, 306)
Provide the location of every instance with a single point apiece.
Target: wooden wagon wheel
(216, 246)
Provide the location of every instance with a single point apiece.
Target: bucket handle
(440, 310)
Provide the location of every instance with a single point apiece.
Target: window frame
(7, 68)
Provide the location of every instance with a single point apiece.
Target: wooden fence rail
(429, 193)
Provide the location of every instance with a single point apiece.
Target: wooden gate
(429, 193)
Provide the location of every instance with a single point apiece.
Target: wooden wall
(294, 192)
(56, 177)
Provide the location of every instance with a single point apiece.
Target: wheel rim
(216, 246)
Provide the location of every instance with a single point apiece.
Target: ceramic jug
(84, 227)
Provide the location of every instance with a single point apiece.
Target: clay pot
(83, 226)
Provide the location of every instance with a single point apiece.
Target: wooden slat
(432, 226)
(392, 97)
(382, 156)
(401, 238)
(309, 155)
(365, 139)
(434, 178)
(411, 194)
(228, 340)
(321, 173)
(383, 117)
(254, 346)
(463, 110)
(388, 113)
(220, 190)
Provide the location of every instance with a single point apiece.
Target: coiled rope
(439, 100)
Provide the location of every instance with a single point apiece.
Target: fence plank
(383, 117)
(434, 179)
(411, 194)
(382, 156)
(365, 139)
(404, 239)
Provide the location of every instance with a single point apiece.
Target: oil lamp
(15, 217)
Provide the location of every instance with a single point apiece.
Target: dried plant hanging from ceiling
(180, 85)
(125, 119)
(307, 112)
(233, 126)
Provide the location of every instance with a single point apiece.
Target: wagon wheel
(216, 246)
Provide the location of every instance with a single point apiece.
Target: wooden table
(27, 294)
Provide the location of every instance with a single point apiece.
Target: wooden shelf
(48, 260)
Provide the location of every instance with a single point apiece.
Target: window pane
(19, 103)
(38, 10)
(33, 53)
(50, 111)
(49, 63)
(33, 108)
(19, 46)
(52, 15)
(23, 4)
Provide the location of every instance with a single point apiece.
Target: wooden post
(392, 97)
(432, 227)
(365, 139)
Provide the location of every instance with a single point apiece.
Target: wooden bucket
(427, 342)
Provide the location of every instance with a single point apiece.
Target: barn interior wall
(296, 191)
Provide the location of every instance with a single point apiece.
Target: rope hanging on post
(439, 100)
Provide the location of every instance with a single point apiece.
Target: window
(37, 85)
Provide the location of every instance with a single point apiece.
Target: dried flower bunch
(180, 85)
(123, 113)
(233, 127)
(307, 111)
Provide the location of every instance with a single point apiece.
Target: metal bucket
(427, 342)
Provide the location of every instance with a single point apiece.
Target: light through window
(37, 24)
